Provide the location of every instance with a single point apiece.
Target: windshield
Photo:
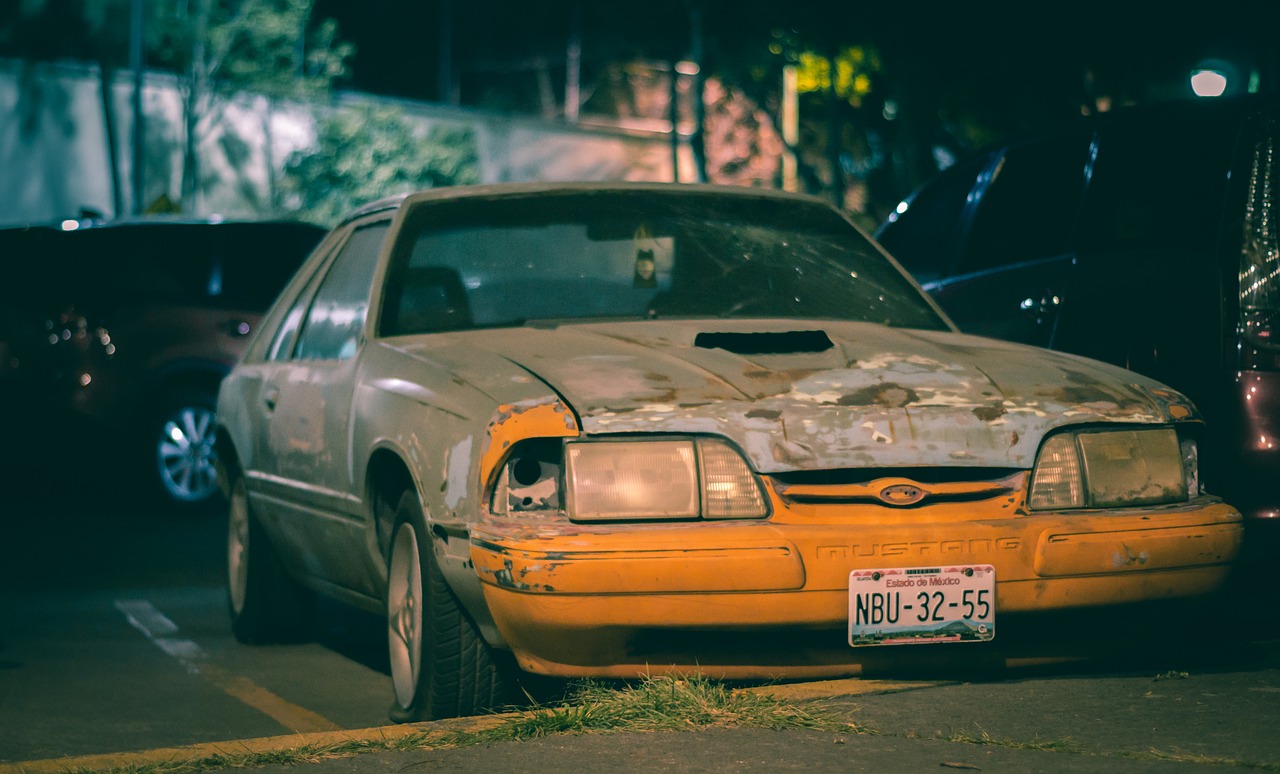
(511, 260)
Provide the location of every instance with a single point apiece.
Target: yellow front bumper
(770, 599)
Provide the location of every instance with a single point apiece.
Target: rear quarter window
(1030, 199)
(923, 236)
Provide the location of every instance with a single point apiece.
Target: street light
(1211, 77)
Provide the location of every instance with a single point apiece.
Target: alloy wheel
(404, 614)
(185, 455)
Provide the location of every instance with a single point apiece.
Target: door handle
(269, 398)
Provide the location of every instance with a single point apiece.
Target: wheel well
(227, 461)
(388, 479)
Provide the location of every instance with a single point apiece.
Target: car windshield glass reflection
(485, 264)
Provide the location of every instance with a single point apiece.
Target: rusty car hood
(875, 396)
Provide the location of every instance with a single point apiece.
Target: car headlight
(659, 479)
(1113, 468)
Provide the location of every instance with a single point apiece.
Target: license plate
(921, 605)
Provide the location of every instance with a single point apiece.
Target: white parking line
(144, 617)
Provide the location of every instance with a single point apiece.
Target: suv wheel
(180, 447)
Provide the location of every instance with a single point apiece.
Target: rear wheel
(266, 604)
(440, 664)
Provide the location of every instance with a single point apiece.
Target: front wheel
(179, 449)
(441, 667)
(266, 605)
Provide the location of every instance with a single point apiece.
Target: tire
(441, 667)
(266, 605)
(178, 453)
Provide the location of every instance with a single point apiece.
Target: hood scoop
(772, 343)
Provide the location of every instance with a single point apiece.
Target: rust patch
(890, 395)
(990, 414)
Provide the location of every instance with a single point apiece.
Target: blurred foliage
(364, 154)
(854, 69)
(271, 47)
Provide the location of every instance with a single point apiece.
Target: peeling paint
(547, 417)
(457, 463)
(882, 397)
(1126, 557)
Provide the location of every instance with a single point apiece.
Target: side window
(1029, 204)
(923, 236)
(287, 336)
(1158, 186)
(332, 326)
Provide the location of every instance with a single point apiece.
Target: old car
(614, 429)
(115, 335)
(1144, 237)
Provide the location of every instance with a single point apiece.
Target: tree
(364, 154)
(267, 47)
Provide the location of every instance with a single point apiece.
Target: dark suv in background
(1143, 237)
(115, 336)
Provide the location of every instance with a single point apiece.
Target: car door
(1147, 244)
(306, 399)
(1013, 273)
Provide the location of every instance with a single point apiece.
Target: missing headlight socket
(530, 477)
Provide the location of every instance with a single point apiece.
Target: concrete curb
(809, 691)
(241, 747)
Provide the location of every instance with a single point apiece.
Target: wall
(54, 150)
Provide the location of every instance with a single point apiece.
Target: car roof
(516, 190)
(1164, 113)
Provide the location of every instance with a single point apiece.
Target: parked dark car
(1143, 237)
(121, 332)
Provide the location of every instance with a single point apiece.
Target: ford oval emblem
(901, 494)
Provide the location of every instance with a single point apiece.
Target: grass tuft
(661, 703)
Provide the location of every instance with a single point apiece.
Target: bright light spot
(1056, 301)
(853, 274)
(890, 110)
(1208, 83)
(85, 379)
(175, 433)
(1026, 303)
(902, 207)
(70, 225)
(687, 68)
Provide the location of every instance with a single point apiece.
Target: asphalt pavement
(1204, 708)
